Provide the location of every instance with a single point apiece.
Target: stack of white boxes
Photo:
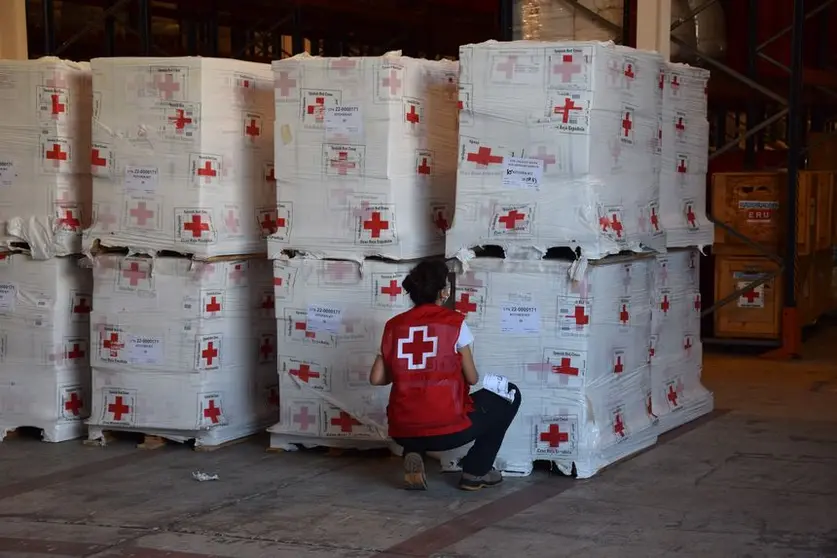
(367, 148)
(676, 362)
(183, 336)
(45, 296)
(560, 148)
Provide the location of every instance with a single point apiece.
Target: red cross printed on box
(696, 303)
(212, 412)
(213, 305)
(682, 167)
(751, 295)
(57, 106)
(508, 66)
(141, 213)
(112, 344)
(252, 129)
(271, 175)
(342, 163)
(564, 110)
(134, 274)
(613, 224)
(649, 407)
(547, 158)
(210, 353)
(304, 419)
(417, 348)
(664, 305)
(567, 68)
(76, 352)
(166, 86)
(231, 220)
(69, 220)
(207, 172)
(675, 85)
(56, 155)
(483, 157)
(655, 220)
(96, 159)
(268, 303)
(180, 121)
(345, 421)
(618, 425)
(423, 167)
(465, 305)
(627, 125)
(269, 223)
(510, 219)
(375, 225)
(441, 221)
(317, 109)
(565, 367)
(392, 82)
(196, 226)
(81, 307)
(285, 83)
(672, 395)
(304, 373)
(618, 366)
(690, 216)
(580, 316)
(679, 125)
(266, 348)
(57, 80)
(343, 65)
(624, 315)
(412, 116)
(662, 81)
(393, 290)
(74, 404)
(118, 408)
(687, 343)
(303, 326)
(553, 436)
(629, 73)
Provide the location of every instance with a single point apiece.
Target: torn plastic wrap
(182, 156)
(559, 146)
(367, 148)
(183, 349)
(45, 182)
(44, 350)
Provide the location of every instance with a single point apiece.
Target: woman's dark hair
(425, 281)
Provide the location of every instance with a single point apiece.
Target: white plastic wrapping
(44, 350)
(676, 350)
(559, 145)
(578, 350)
(183, 349)
(182, 155)
(45, 183)
(367, 152)
(685, 157)
(330, 319)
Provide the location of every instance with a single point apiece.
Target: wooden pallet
(153, 442)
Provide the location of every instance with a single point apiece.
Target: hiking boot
(414, 477)
(473, 482)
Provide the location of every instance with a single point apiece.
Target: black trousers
(490, 419)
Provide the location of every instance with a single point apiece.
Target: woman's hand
(378, 375)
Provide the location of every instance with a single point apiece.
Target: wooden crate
(754, 314)
(822, 154)
(818, 187)
(754, 205)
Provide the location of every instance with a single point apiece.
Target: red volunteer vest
(429, 396)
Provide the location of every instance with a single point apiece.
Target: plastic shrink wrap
(559, 145)
(44, 351)
(45, 183)
(578, 351)
(183, 349)
(182, 155)
(367, 148)
(685, 151)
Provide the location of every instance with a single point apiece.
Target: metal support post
(298, 42)
(49, 26)
(110, 32)
(627, 16)
(212, 29)
(144, 27)
(192, 38)
(753, 113)
(506, 20)
(791, 327)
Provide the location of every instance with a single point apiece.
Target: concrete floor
(758, 478)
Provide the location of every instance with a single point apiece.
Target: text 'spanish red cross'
(564, 110)
(566, 69)
(305, 373)
(118, 408)
(464, 305)
(345, 421)
(141, 213)
(57, 106)
(554, 436)
(134, 274)
(483, 157)
(180, 120)
(74, 404)
(207, 172)
(375, 224)
(511, 218)
(393, 290)
(212, 412)
(210, 353)
(565, 367)
(196, 226)
(627, 125)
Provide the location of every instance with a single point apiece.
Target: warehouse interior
(753, 477)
